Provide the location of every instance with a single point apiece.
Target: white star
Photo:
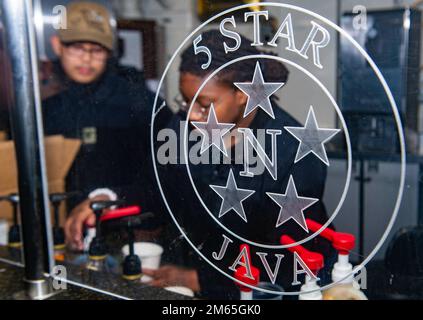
(232, 197)
(259, 92)
(312, 138)
(292, 206)
(213, 132)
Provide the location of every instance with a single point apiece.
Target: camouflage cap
(88, 21)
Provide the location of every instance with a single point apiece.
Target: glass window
(221, 149)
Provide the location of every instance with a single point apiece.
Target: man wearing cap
(107, 112)
(86, 43)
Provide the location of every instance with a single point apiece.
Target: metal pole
(25, 116)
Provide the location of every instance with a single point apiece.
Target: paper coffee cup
(150, 255)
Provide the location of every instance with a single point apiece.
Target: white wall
(176, 19)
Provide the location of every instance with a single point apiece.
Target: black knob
(14, 236)
(97, 248)
(58, 236)
(132, 267)
(56, 199)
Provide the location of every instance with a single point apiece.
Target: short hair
(273, 70)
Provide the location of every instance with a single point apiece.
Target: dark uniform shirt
(112, 119)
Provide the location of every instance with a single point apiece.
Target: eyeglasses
(78, 50)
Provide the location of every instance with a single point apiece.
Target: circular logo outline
(387, 92)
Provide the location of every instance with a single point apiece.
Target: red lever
(313, 260)
(240, 273)
(121, 213)
(343, 242)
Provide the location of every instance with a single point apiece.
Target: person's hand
(79, 216)
(168, 276)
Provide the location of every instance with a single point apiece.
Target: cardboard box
(60, 154)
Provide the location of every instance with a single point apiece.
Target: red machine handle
(313, 260)
(342, 242)
(240, 273)
(121, 213)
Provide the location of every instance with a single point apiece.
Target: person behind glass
(229, 105)
(106, 111)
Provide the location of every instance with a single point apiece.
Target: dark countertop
(10, 285)
(89, 285)
(82, 284)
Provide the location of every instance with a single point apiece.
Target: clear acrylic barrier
(264, 130)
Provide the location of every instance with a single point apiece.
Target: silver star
(312, 138)
(292, 206)
(232, 197)
(213, 132)
(259, 93)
